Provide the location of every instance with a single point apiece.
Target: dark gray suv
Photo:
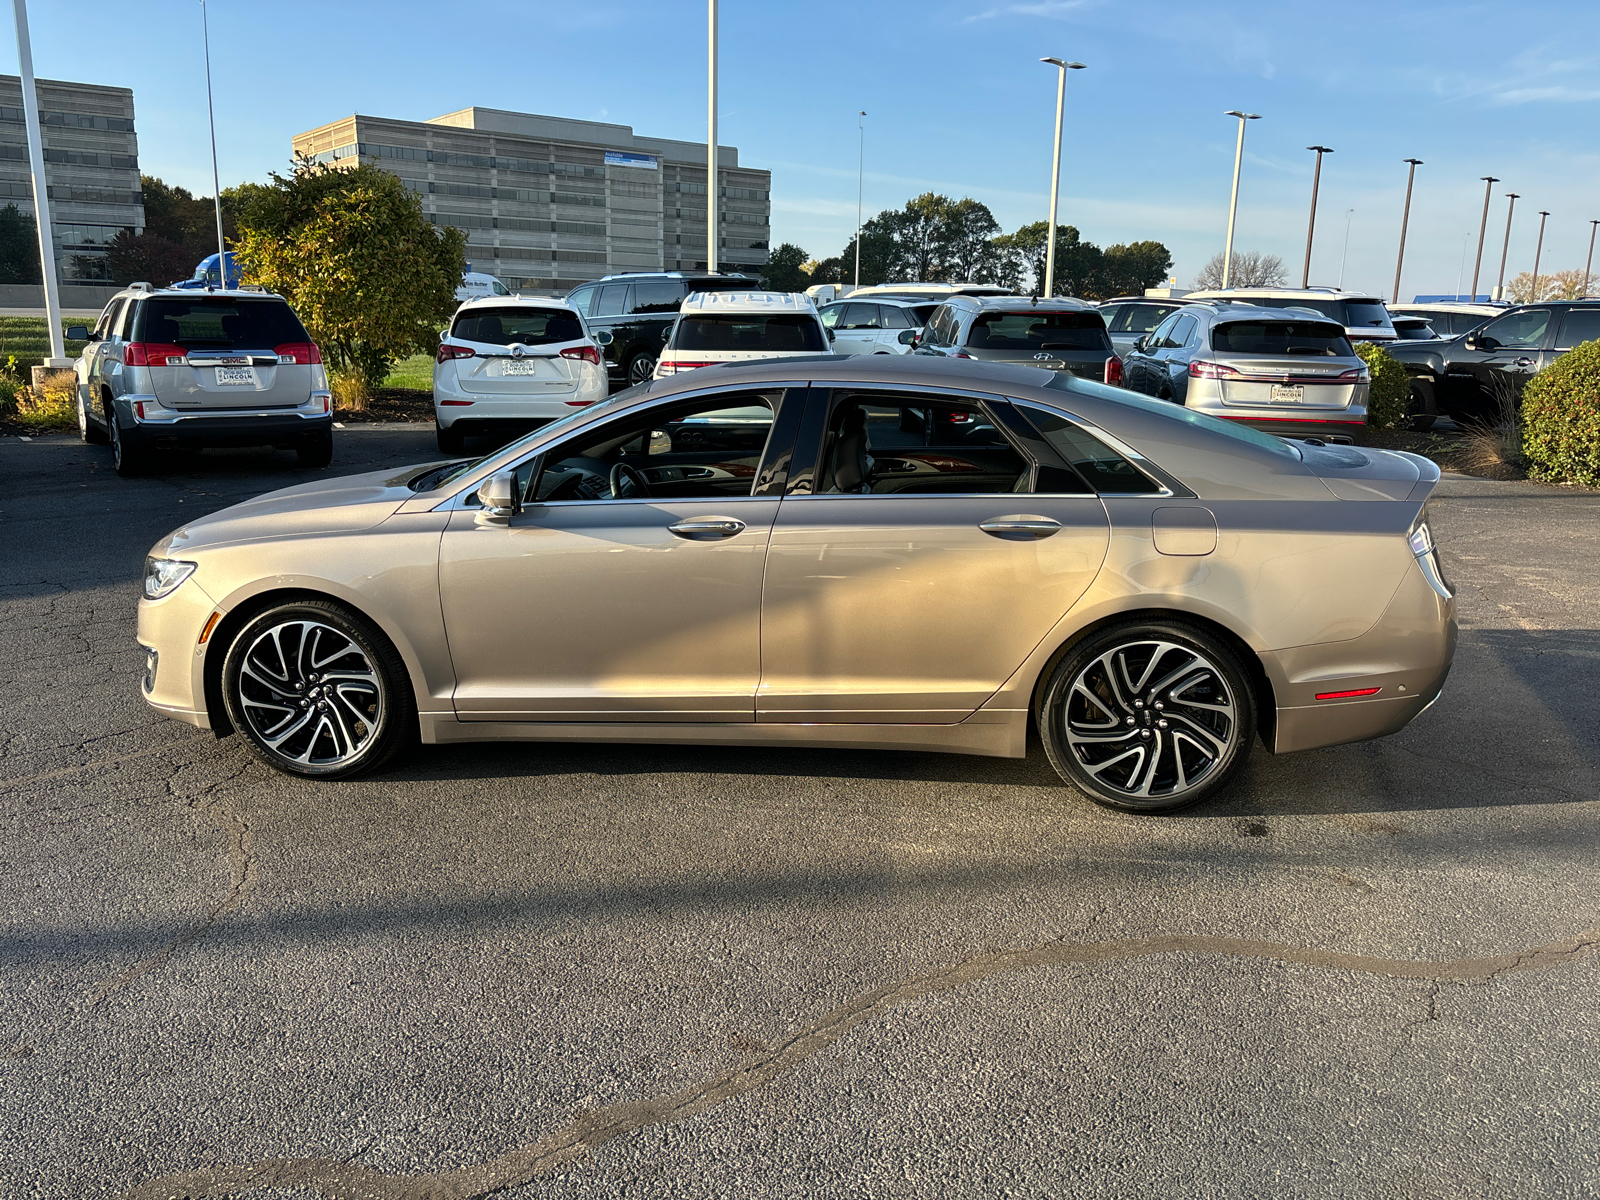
(1058, 334)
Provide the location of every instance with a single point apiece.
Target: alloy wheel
(1150, 721)
(310, 694)
(641, 368)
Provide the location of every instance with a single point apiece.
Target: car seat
(852, 464)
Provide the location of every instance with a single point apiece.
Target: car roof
(1261, 312)
(516, 301)
(1053, 304)
(1312, 293)
(931, 291)
(254, 293)
(635, 276)
(899, 301)
(735, 302)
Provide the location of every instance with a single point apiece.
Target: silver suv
(1281, 370)
(168, 368)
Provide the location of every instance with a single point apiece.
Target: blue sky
(957, 103)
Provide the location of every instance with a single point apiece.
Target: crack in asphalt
(343, 1179)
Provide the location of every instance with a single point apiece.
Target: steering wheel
(622, 471)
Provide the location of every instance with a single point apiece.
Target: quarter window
(582, 300)
(893, 316)
(881, 444)
(1104, 469)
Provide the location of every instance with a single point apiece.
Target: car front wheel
(1148, 717)
(317, 691)
(130, 460)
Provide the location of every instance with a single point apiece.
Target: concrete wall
(73, 297)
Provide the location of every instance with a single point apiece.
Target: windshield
(218, 322)
(1281, 337)
(1365, 312)
(1172, 412)
(509, 325)
(793, 333)
(1031, 329)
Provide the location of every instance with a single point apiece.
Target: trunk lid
(1361, 473)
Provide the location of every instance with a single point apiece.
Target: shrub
(1389, 401)
(49, 408)
(350, 389)
(1561, 418)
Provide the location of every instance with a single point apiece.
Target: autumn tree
(1553, 285)
(1251, 268)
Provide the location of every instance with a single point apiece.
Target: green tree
(783, 271)
(150, 257)
(829, 270)
(922, 231)
(968, 240)
(19, 247)
(353, 253)
(1127, 270)
(880, 252)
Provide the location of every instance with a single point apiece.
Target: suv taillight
(1359, 375)
(304, 354)
(448, 352)
(1210, 370)
(1114, 371)
(152, 354)
(586, 354)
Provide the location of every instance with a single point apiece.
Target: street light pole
(216, 185)
(1311, 227)
(1500, 288)
(861, 166)
(1477, 264)
(1345, 255)
(1461, 267)
(1405, 219)
(41, 193)
(1589, 262)
(712, 231)
(1533, 297)
(1233, 204)
(1055, 171)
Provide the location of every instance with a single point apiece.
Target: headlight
(163, 575)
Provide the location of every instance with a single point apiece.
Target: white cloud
(1561, 95)
(1053, 9)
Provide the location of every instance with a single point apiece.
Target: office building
(548, 203)
(91, 166)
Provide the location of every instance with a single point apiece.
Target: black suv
(637, 310)
(1468, 377)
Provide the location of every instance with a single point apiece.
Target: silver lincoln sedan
(901, 553)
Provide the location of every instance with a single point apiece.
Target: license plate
(1288, 393)
(234, 375)
(521, 367)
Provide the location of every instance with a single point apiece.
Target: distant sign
(621, 158)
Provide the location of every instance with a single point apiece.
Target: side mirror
(908, 337)
(1138, 342)
(78, 333)
(660, 442)
(498, 495)
(602, 337)
(1482, 341)
(831, 334)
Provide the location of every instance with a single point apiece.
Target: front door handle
(707, 527)
(1522, 362)
(1021, 527)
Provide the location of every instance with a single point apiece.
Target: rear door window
(612, 300)
(529, 326)
(1182, 331)
(1578, 326)
(660, 297)
(109, 318)
(1138, 318)
(860, 316)
(218, 323)
(1158, 338)
(778, 332)
(1031, 329)
(1315, 338)
(893, 443)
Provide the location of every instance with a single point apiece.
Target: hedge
(1389, 401)
(1561, 419)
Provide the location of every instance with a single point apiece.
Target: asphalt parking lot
(603, 971)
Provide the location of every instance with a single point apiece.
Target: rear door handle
(1021, 527)
(706, 527)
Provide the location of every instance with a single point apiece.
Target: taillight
(303, 354)
(961, 354)
(1359, 375)
(447, 352)
(1114, 371)
(1210, 370)
(152, 354)
(586, 354)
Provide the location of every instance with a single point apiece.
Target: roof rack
(140, 287)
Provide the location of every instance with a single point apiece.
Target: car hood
(327, 506)
(1362, 473)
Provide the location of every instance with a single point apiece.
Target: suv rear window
(530, 326)
(1031, 329)
(1365, 312)
(1281, 337)
(787, 332)
(218, 322)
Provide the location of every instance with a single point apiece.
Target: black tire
(451, 441)
(316, 451)
(346, 719)
(641, 368)
(130, 461)
(1133, 744)
(87, 429)
(1424, 407)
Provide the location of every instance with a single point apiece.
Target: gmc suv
(635, 310)
(167, 368)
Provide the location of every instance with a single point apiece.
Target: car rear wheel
(1424, 407)
(1148, 717)
(451, 440)
(316, 451)
(317, 691)
(641, 368)
(87, 429)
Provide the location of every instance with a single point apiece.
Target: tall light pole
(1533, 296)
(1500, 288)
(1345, 254)
(1055, 171)
(1461, 267)
(1311, 227)
(861, 166)
(1405, 219)
(1233, 204)
(41, 193)
(1488, 185)
(216, 185)
(712, 232)
(1589, 262)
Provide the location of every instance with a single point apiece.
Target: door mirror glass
(602, 337)
(660, 442)
(908, 337)
(78, 333)
(1138, 342)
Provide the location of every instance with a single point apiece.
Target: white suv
(719, 327)
(880, 326)
(1364, 317)
(508, 364)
